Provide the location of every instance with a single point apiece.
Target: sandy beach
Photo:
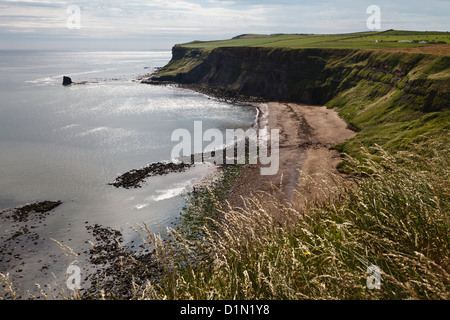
(307, 134)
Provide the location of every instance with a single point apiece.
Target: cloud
(211, 19)
(133, 18)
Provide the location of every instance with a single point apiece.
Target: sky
(160, 24)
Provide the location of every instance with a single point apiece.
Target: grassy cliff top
(360, 40)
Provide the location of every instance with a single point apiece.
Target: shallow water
(68, 143)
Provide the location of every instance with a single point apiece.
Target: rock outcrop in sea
(66, 81)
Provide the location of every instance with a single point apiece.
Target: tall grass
(395, 216)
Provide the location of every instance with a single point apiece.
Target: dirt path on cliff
(306, 135)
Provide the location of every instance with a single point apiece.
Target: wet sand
(307, 134)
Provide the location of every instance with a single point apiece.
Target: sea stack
(66, 81)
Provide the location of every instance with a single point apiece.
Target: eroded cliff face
(313, 76)
(392, 99)
(275, 74)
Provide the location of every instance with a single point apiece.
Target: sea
(67, 143)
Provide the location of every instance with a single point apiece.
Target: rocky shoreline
(134, 178)
(35, 210)
(22, 237)
(219, 93)
(119, 268)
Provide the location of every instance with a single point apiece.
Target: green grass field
(359, 40)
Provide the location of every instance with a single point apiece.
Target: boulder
(66, 81)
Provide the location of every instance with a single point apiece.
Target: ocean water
(68, 143)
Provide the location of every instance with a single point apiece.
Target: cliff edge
(391, 98)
